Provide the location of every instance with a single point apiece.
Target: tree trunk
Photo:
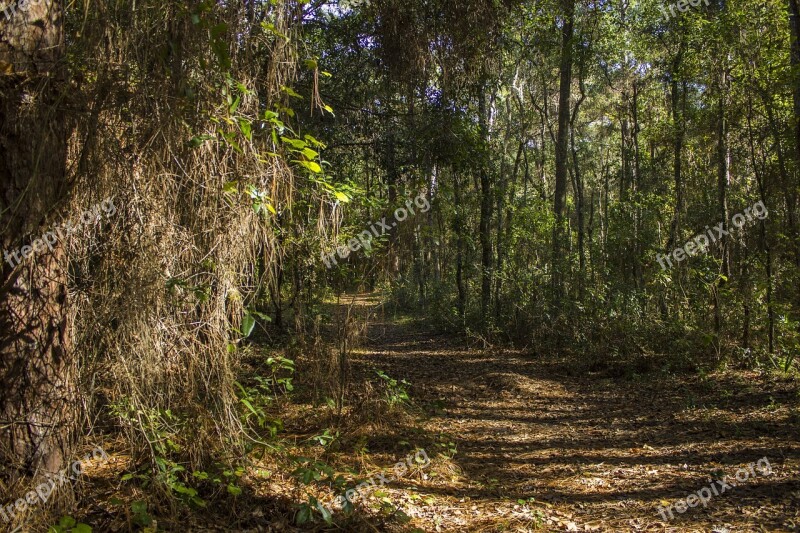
(786, 182)
(38, 372)
(794, 26)
(765, 245)
(460, 219)
(678, 126)
(723, 174)
(562, 139)
(636, 185)
(577, 185)
(486, 211)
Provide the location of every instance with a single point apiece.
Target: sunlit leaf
(309, 153)
(312, 166)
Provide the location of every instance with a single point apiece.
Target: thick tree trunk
(38, 372)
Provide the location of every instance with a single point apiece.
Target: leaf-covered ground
(516, 443)
(542, 446)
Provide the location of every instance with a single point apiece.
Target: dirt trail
(586, 452)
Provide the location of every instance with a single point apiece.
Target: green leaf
(270, 28)
(313, 142)
(230, 140)
(312, 166)
(310, 64)
(198, 140)
(296, 143)
(303, 514)
(198, 501)
(234, 490)
(82, 528)
(235, 105)
(290, 92)
(249, 405)
(231, 187)
(219, 30)
(309, 153)
(342, 197)
(247, 129)
(326, 515)
(248, 323)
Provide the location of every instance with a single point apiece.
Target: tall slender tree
(562, 145)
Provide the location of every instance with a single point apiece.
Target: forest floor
(516, 442)
(539, 446)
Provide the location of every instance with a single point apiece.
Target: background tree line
(565, 145)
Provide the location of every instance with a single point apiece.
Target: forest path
(586, 452)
